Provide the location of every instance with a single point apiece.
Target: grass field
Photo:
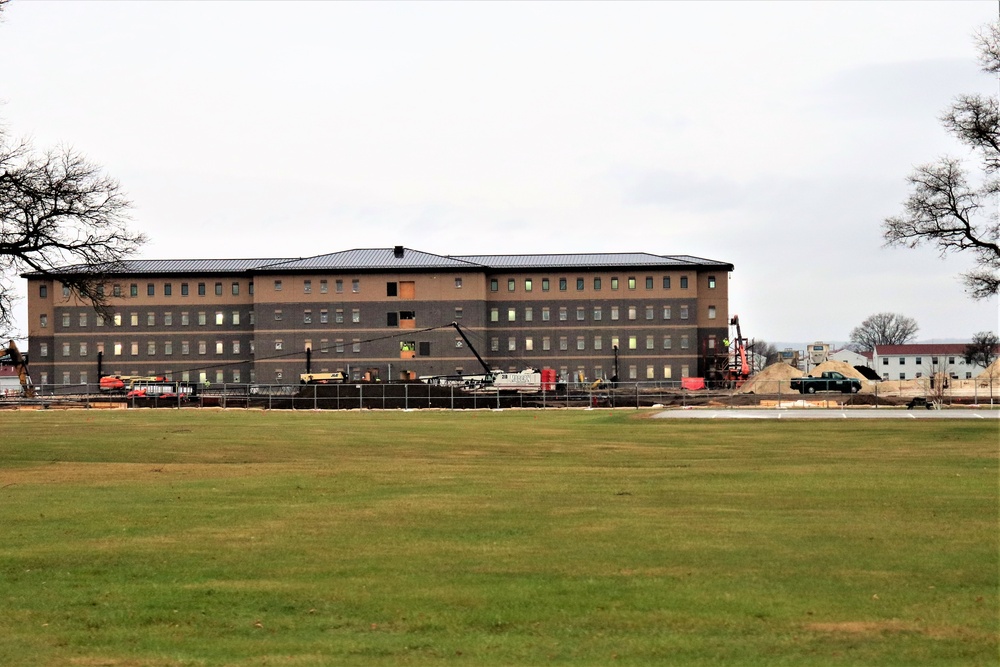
(494, 538)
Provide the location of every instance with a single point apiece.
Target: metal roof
(589, 260)
(373, 258)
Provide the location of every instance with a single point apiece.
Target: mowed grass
(494, 538)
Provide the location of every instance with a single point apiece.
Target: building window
(684, 312)
(324, 317)
(631, 282)
(134, 348)
(236, 317)
(563, 343)
(236, 347)
(118, 319)
(150, 347)
(633, 372)
(546, 343)
(339, 345)
(458, 313)
(307, 317)
(392, 319)
(529, 344)
(918, 361)
(562, 284)
(218, 289)
(684, 341)
(597, 284)
(666, 282)
(684, 282)
(614, 313)
(392, 289)
(185, 347)
(324, 287)
(43, 291)
(649, 343)
(201, 289)
(65, 348)
(494, 344)
(511, 344)
(338, 316)
(219, 347)
(184, 289)
(277, 315)
(458, 283)
(168, 289)
(168, 347)
(82, 319)
(545, 314)
(510, 284)
(614, 282)
(597, 313)
(512, 314)
(649, 312)
(279, 344)
(65, 320)
(43, 349)
(133, 290)
(527, 284)
(650, 373)
(563, 314)
(667, 342)
(494, 314)
(631, 312)
(277, 285)
(579, 284)
(355, 285)
(150, 289)
(649, 282)
(711, 282)
(581, 343)
(633, 343)
(580, 314)
(307, 286)
(116, 290)
(202, 319)
(685, 370)
(356, 316)
(150, 319)
(43, 321)
(235, 289)
(494, 285)
(885, 361)
(220, 318)
(545, 284)
(711, 312)
(529, 314)
(902, 376)
(202, 347)
(902, 361)
(133, 319)
(598, 342)
(934, 361)
(338, 286)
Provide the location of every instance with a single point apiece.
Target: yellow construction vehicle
(21, 364)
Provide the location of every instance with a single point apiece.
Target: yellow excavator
(21, 364)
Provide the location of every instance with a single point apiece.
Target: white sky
(775, 136)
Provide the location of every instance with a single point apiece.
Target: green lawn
(494, 538)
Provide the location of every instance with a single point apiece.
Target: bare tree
(944, 209)
(983, 349)
(762, 351)
(883, 329)
(60, 216)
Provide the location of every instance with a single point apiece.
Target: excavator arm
(21, 364)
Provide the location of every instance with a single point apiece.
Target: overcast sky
(775, 136)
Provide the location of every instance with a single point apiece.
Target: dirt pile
(844, 369)
(992, 371)
(771, 380)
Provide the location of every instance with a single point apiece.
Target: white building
(908, 362)
(852, 358)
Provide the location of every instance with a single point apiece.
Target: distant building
(852, 358)
(908, 362)
(818, 353)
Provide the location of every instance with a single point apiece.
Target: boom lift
(21, 364)
(739, 369)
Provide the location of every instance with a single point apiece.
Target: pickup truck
(828, 381)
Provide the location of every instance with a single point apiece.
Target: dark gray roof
(386, 259)
(373, 258)
(636, 259)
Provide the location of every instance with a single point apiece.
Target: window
(307, 286)
(685, 370)
(684, 341)
(118, 349)
(562, 284)
(307, 317)
(458, 283)
(512, 314)
(220, 318)
(355, 316)
(168, 347)
(631, 312)
(43, 321)
(580, 314)
(324, 287)
(43, 291)
(251, 319)
(614, 282)
(133, 290)
(649, 343)
(529, 314)
(711, 312)
(563, 343)
(631, 282)
(202, 319)
(118, 319)
(511, 344)
(684, 312)
(185, 319)
(902, 376)
(546, 343)
(668, 342)
(236, 347)
(236, 375)
(885, 361)
(510, 284)
(134, 348)
(494, 344)
(649, 282)
(168, 289)
(65, 349)
(424, 349)
(951, 360)
(277, 285)
(338, 286)
(279, 344)
(579, 284)
(902, 361)
(201, 289)
(527, 284)
(684, 282)
(151, 347)
(324, 316)
(392, 319)
(185, 347)
(934, 361)
(581, 343)
(392, 289)
(339, 345)
(633, 343)
(597, 313)
(545, 314)
(218, 289)
(597, 284)
(236, 317)
(649, 312)
(99, 320)
(614, 313)
(43, 349)
(150, 319)
(356, 286)
(65, 320)
(82, 319)
(598, 342)
(666, 282)
(184, 289)
(494, 285)
(563, 314)
(338, 316)
(919, 361)
(494, 314)
(545, 284)
(277, 315)
(202, 347)
(116, 290)
(133, 319)
(711, 282)
(219, 347)
(529, 344)
(235, 289)
(150, 289)
(650, 373)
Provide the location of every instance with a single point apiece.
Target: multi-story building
(917, 360)
(386, 313)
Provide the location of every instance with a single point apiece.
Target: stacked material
(771, 380)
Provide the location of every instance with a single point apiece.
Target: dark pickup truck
(828, 381)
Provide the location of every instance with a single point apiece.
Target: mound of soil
(841, 367)
(771, 380)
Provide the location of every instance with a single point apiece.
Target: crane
(741, 372)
